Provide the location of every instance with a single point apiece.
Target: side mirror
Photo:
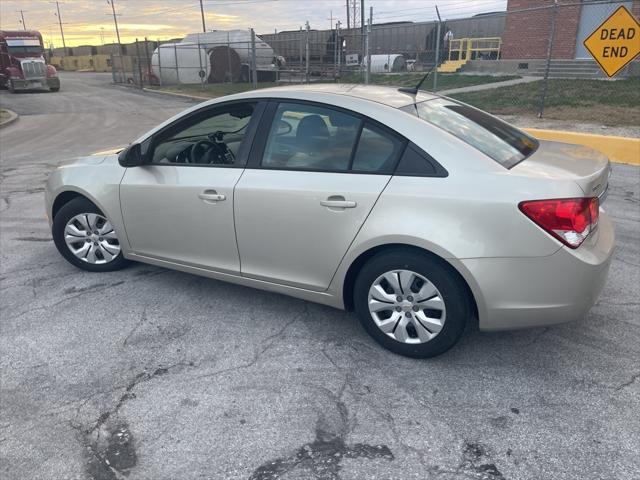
(131, 156)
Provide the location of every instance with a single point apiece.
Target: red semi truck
(22, 62)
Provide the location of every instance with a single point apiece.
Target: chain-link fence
(527, 61)
(539, 66)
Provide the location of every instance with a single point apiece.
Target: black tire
(441, 275)
(54, 89)
(69, 210)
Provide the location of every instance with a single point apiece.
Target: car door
(179, 205)
(314, 175)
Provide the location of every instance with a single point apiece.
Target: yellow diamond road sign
(616, 42)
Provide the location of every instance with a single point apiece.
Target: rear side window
(309, 137)
(377, 151)
(319, 138)
(497, 139)
(415, 162)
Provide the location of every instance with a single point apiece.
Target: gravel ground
(153, 374)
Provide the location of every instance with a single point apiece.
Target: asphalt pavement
(153, 374)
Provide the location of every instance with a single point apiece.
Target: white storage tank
(240, 42)
(193, 63)
(387, 63)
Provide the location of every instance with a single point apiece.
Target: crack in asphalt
(109, 440)
(535, 339)
(322, 458)
(628, 383)
(33, 239)
(171, 332)
(474, 460)
(357, 388)
(64, 300)
(141, 320)
(271, 340)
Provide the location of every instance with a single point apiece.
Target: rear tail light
(570, 220)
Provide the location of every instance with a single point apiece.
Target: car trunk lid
(588, 168)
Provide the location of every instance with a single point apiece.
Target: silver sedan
(420, 213)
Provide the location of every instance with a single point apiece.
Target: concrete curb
(13, 116)
(618, 149)
(177, 95)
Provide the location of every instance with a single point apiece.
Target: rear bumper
(539, 291)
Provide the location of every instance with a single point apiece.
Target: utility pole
(355, 13)
(437, 59)
(362, 24)
(330, 19)
(307, 27)
(352, 13)
(348, 16)
(552, 37)
(367, 47)
(115, 21)
(335, 49)
(64, 45)
(24, 25)
(339, 45)
(204, 27)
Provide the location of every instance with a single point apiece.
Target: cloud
(163, 19)
(135, 27)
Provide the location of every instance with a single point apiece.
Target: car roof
(389, 96)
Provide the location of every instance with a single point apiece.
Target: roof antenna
(414, 90)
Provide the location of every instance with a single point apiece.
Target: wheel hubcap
(406, 306)
(91, 238)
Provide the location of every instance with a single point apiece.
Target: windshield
(31, 50)
(497, 139)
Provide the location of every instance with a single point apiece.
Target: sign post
(616, 42)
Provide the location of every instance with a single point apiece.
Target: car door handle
(211, 196)
(338, 203)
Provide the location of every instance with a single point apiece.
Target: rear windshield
(505, 144)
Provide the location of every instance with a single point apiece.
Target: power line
(448, 13)
(446, 4)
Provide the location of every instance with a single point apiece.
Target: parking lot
(154, 374)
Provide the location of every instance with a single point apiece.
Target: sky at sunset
(90, 22)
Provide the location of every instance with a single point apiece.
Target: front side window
(213, 138)
(497, 139)
(310, 137)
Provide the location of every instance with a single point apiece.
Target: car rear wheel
(85, 237)
(410, 303)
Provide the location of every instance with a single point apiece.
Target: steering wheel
(199, 149)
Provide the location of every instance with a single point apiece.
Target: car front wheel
(411, 303)
(85, 237)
